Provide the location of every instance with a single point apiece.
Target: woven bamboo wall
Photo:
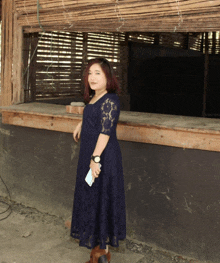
(59, 58)
(119, 15)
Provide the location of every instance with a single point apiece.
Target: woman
(99, 218)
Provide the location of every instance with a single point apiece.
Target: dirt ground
(29, 236)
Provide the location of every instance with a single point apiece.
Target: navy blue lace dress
(99, 216)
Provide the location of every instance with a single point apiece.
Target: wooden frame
(12, 41)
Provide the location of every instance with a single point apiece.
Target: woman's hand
(95, 169)
(77, 132)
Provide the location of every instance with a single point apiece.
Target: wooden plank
(162, 26)
(153, 135)
(56, 92)
(169, 137)
(169, 130)
(53, 123)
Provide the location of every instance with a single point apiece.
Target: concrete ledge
(169, 130)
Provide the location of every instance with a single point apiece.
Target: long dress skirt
(99, 216)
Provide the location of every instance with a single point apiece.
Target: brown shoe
(92, 254)
(99, 256)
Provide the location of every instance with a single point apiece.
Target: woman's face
(96, 78)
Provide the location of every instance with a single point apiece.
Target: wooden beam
(169, 137)
(109, 26)
(17, 68)
(169, 130)
(11, 64)
(38, 121)
(7, 52)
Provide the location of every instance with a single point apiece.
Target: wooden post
(213, 43)
(11, 75)
(17, 68)
(124, 55)
(124, 64)
(206, 71)
(7, 52)
(33, 67)
(26, 54)
(202, 42)
(186, 41)
(84, 59)
(157, 39)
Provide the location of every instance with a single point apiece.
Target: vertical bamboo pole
(124, 55)
(33, 67)
(157, 39)
(124, 64)
(206, 71)
(84, 58)
(73, 54)
(186, 41)
(26, 54)
(213, 43)
(202, 43)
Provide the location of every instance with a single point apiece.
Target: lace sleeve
(109, 116)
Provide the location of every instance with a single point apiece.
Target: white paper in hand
(89, 178)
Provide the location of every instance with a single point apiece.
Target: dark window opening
(159, 72)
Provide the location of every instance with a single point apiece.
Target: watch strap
(94, 157)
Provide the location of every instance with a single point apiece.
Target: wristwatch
(96, 158)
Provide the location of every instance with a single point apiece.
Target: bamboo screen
(171, 40)
(59, 58)
(193, 41)
(119, 15)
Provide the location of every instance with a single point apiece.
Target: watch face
(97, 159)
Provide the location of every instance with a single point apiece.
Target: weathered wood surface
(11, 62)
(17, 74)
(122, 15)
(6, 52)
(170, 130)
